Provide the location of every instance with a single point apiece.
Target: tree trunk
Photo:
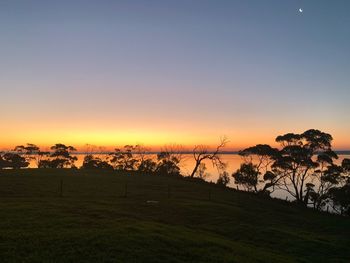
(195, 169)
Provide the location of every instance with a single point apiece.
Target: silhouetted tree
(346, 166)
(169, 161)
(147, 166)
(60, 157)
(13, 160)
(340, 196)
(202, 152)
(124, 159)
(259, 159)
(247, 176)
(201, 171)
(304, 167)
(28, 150)
(41, 156)
(328, 175)
(145, 163)
(31, 152)
(296, 164)
(94, 162)
(224, 179)
(95, 158)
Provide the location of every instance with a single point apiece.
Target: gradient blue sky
(114, 72)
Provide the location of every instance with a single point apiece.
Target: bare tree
(202, 152)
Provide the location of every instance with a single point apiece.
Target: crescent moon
(300, 10)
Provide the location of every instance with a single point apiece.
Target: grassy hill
(106, 217)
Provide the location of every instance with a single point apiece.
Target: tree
(145, 164)
(224, 179)
(41, 156)
(13, 160)
(202, 152)
(340, 196)
(304, 167)
(259, 159)
(327, 175)
(31, 152)
(60, 157)
(295, 164)
(29, 149)
(124, 159)
(346, 166)
(94, 162)
(247, 176)
(201, 171)
(169, 161)
(167, 164)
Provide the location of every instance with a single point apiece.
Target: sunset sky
(182, 71)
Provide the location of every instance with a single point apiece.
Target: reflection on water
(233, 162)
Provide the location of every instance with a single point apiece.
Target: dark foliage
(12, 160)
(60, 157)
(93, 162)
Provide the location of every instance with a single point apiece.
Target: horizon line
(340, 152)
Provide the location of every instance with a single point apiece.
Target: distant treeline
(304, 166)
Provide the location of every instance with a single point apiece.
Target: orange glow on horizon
(153, 132)
(153, 140)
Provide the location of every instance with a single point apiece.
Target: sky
(173, 72)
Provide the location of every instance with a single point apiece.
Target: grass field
(105, 217)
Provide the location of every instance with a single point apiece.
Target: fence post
(169, 191)
(209, 194)
(61, 187)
